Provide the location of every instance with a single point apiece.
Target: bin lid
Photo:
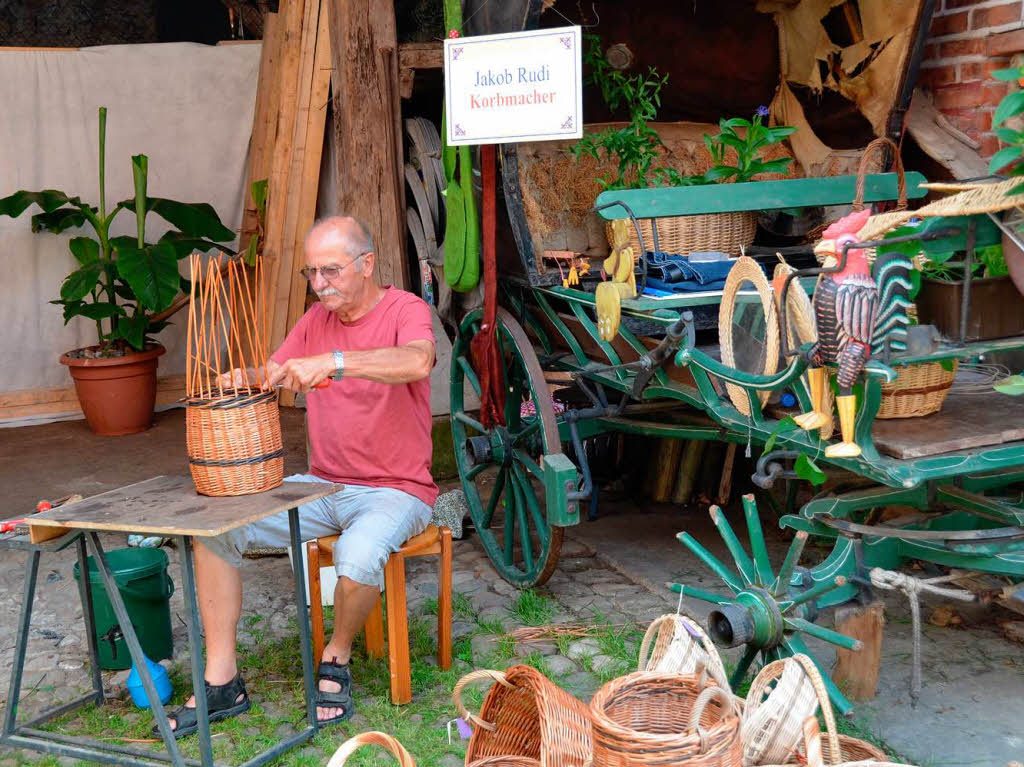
(128, 564)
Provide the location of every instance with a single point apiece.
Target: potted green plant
(736, 153)
(124, 284)
(1009, 161)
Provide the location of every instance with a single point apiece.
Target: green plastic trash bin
(146, 588)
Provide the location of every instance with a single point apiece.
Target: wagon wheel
(500, 468)
(764, 611)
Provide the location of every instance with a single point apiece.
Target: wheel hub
(753, 618)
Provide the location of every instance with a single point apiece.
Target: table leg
(18, 666)
(195, 644)
(85, 593)
(135, 650)
(303, 617)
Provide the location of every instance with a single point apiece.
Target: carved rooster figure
(845, 304)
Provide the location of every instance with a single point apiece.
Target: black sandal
(221, 704)
(329, 671)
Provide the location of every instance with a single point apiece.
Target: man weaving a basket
(369, 429)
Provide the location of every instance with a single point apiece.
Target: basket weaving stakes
(233, 432)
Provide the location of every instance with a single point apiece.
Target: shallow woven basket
(373, 738)
(234, 443)
(918, 390)
(525, 719)
(679, 645)
(645, 719)
(682, 235)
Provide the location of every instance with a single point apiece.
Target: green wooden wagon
(958, 467)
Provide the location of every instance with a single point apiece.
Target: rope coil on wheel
(913, 588)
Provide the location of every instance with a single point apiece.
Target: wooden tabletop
(170, 505)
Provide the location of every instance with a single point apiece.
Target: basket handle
(645, 644)
(901, 177)
(812, 742)
(824, 702)
(765, 677)
(476, 676)
(372, 738)
(714, 691)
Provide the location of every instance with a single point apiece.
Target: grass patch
(533, 608)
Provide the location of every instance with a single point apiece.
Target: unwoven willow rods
(226, 327)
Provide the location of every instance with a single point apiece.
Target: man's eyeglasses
(329, 272)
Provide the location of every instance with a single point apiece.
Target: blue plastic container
(160, 679)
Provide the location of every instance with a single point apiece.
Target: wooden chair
(433, 540)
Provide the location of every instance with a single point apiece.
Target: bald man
(369, 430)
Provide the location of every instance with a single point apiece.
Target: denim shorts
(373, 522)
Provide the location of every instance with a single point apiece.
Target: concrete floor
(972, 705)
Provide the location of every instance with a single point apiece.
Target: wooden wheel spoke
(527, 431)
(470, 374)
(472, 473)
(524, 528)
(529, 464)
(531, 503)
(471, 422)
(511, 502)
(492, 502)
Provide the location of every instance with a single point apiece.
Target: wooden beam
(367, 127)
(857, 672)
(421, 55)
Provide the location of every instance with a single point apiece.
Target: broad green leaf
(48, 199)
(194, 219)
(58, 220)
(84, 249)
(80, 282)
(133, 330)
(259, 196)
(720, 172)
(947, 365)
(808, 470)
(123, 291)
(1012, 104)
(1004, 157)
(100, 311)
(1014, 385)
(152, 273)
(1014, 73)
(786, 424)
(1009, 135)
(915, 284)
(183, 245)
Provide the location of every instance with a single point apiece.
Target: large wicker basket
(645, 719)
(720, 232)
(918, 390)
(525, 717)
(234, 443)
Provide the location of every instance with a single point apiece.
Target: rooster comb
(848, 224)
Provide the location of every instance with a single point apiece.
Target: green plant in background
(635, 146)
(258, 189)
(1009, 161)
(121, 283)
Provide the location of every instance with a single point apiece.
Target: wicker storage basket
(525, 719)
(918, 390)
(665, 719)
(722, 232)
(680, 646)
(234, 443)
(373, 738)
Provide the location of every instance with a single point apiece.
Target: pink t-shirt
(363, 432)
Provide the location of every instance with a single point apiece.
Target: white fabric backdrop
(189, 107)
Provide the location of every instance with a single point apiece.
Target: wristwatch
(339, 366)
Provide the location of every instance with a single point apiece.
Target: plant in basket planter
(127, 286)
(635, 149)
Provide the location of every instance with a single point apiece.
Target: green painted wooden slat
(755, 195)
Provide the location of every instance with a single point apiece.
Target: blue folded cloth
(678, 274)
(683, 287)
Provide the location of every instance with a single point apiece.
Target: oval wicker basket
(645, 719)
(525, 719)
(234, 443)
(918, 390)
(682, 235)
(372, 738)
(679, 645)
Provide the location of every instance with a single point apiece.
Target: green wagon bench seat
(659, 202)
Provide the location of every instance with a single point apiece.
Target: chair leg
(316, 607)
(444, 602)
(374, 630)
(398, 630)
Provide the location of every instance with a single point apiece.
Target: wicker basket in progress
(234, 442)
(525, 719)
(679, 645)
(682, 235)
(645, 719)
(918, 390)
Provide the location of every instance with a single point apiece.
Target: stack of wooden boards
(285, 148)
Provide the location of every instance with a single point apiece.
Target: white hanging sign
(520, 86)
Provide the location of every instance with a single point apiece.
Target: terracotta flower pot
(117, 394)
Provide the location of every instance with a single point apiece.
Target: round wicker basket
(918, 390)
(682, 235)
(234, 443)
(372, 738)
(645, 719)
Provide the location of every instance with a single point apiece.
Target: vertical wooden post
(398, 630)
(316, 609)
(444, 602)
(367, 127)
(858, 671)
(374, 628)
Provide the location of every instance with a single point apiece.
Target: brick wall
(958, 59)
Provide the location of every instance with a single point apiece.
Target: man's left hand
(301, 374)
